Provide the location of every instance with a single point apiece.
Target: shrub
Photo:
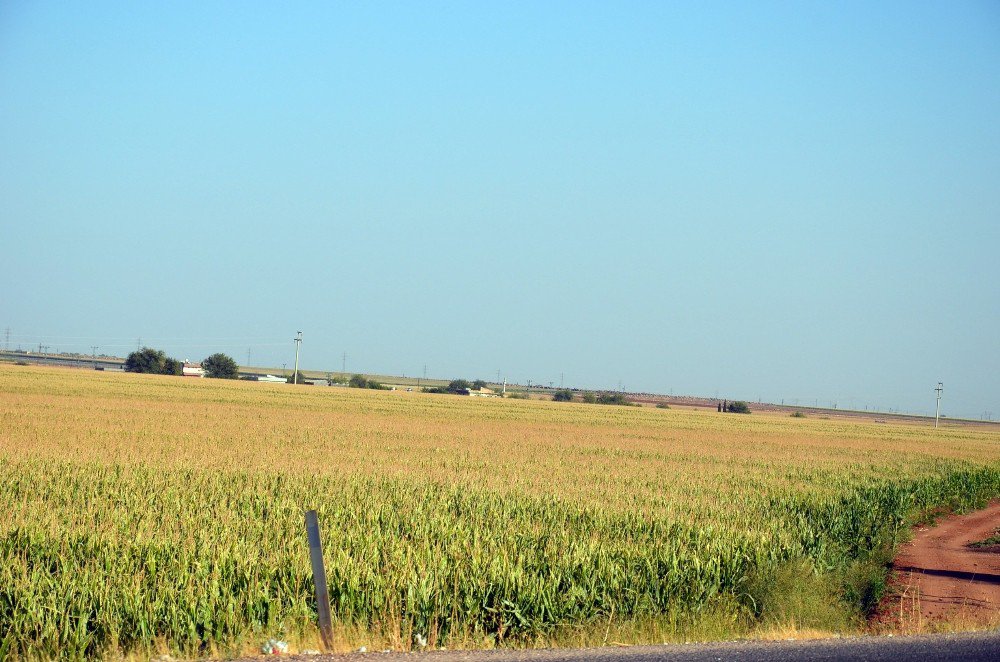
(589, 397)
(456, 386)
(563, 395)
(360, 381)
(798, 414)
(738, 407)
(662, 405)
(612, 399)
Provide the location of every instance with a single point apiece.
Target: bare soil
(939, 581)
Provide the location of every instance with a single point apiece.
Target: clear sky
(795, 201)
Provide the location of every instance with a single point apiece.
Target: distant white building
(270, 378)
(192, 370)
(481, 392)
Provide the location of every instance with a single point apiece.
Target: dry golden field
(153, 513)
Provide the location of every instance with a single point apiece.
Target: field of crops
(145, 514)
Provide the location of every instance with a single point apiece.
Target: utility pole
(937, 412)
(248, 356)
(94, 355)
(343, 364)
(298, 342)
(562, 378)
(6, 342)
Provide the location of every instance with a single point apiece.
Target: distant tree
(612, 399)
(153, 362)
(738, 407)
(146, 360)
(455, 386)
(662, 405)
(589, 397)
(563, 395)
(220, 366)
(478, 384)
(172, 367)
(301, 379)
(458, 386)
(360, 381)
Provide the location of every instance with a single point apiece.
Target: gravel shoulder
(979, 646)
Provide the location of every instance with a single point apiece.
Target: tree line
(155, 362)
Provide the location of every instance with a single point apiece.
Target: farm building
(481, 392)
(269, 378)
(192, 370)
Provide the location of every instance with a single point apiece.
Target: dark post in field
(319, 578)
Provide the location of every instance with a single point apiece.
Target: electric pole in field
(937, 411)
(343, 364)
(6, 342)
(298, 342)
(94, 354)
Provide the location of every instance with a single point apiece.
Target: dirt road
(938, 578)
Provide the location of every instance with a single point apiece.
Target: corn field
(147, 513)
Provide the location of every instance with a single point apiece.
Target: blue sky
(790, 201)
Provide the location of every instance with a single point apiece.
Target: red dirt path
(938, 579)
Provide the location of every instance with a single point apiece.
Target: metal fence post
(319, 578)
